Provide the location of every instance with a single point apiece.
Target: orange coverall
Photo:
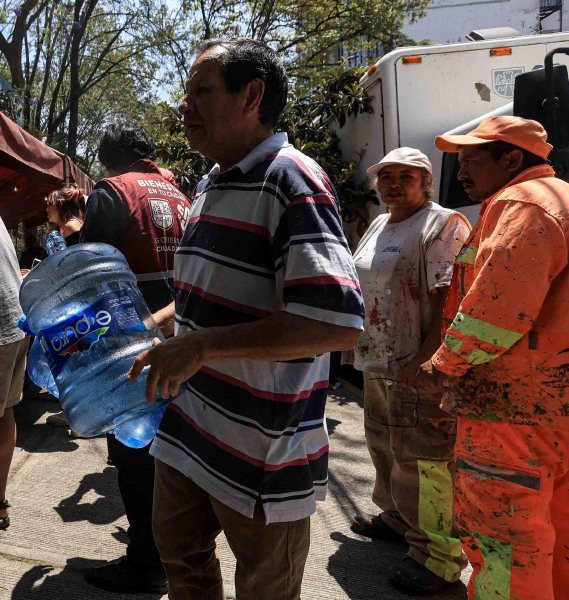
(506, 347)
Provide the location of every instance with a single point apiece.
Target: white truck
(424, 91)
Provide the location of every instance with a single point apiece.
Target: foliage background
(77, 65)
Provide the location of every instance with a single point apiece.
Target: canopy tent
(29, 171)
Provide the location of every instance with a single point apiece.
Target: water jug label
(113, 315)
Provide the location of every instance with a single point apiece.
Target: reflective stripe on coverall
(506, 347)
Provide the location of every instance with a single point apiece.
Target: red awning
(29, 171)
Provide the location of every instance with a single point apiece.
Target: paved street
(67, 515)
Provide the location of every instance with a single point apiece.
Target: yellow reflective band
(435, 518)
(479, 357)
(485, 332)
(467, 255)
(452, 343)
(493, 581)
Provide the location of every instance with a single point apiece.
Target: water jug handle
(23, 325)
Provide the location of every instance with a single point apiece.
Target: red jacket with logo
(144, 216)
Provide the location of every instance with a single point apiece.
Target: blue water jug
(91, 321)
(38, 369)
(138, 433)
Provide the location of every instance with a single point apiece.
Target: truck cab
(424, 91)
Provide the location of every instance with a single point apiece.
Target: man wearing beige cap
(505, 361)
(404, 265)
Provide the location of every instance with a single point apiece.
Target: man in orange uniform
(505, 361)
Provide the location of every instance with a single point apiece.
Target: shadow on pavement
(106, 509)
(360, 567)
(33, 435)
(331, 424)
(121, 535)
(38, 584)
(343, 397)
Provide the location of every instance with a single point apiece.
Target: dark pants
(136, 484)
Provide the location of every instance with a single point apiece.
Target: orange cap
(524, 133)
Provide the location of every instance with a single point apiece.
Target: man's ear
(254, 92)
(514, 160)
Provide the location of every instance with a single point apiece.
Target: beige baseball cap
(403, 156)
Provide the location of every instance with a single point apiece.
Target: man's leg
(422, 442)
(7, 445)
(12, 373)
(270, 558)
(136, 485)
(505, 481)
(185, 527)
(135, 469)
(389, 525)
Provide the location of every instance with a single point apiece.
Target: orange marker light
(412, 60)
(371, 70)
(501, 52)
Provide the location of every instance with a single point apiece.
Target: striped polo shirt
(264, 236)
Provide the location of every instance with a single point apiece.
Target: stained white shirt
(400, 266)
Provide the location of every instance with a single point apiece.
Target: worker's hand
(408, 375)
(429, 380)
(171, 363)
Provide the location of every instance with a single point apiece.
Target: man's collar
(265, 149)
(527, 175)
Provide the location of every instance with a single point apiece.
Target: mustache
(467, 182)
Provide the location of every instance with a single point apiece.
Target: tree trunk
(74, 79)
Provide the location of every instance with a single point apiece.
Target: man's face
(480, 174)
(211, 113)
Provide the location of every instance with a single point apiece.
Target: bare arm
(282, 336)
(431, 343)
(165, 319)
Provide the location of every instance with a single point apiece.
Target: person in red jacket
(505, 362)
(139, 210)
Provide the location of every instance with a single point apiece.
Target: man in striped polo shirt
(265, 288)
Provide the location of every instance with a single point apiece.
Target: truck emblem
(161, 212)
(503, 81)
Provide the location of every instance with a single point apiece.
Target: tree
(306, 119)
(63, 53)
(308, 33)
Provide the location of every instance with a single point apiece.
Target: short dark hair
(499, 148)
(124, 143)
(243, 61)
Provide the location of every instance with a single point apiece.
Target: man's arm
(166, 318)
(439, 265)
(522, 252)
(431, 343)
(104, 218)
(282, 336)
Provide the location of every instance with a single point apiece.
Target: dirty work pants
(411, 442)
(135, 469)
(186, 521)
(512, 508)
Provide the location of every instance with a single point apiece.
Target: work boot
(373, 526)
(124, 576)
(415, 578)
